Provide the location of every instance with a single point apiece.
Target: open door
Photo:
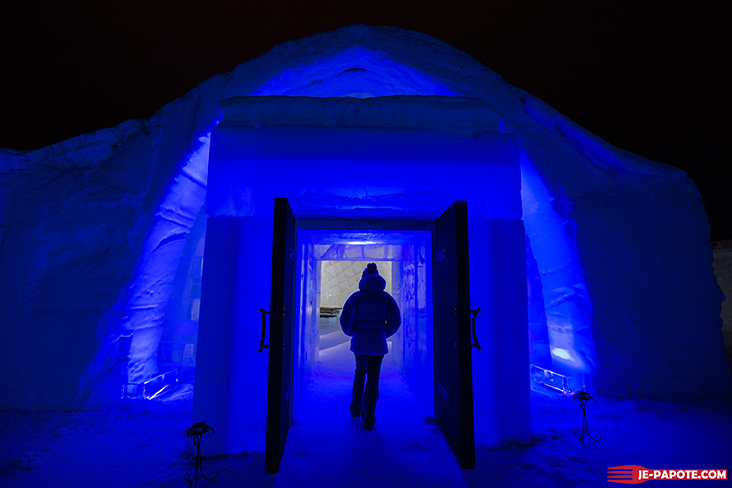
(452, 340)
(281, 343)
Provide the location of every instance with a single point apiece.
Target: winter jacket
(370, 316)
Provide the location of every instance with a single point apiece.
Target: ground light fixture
(196, 432)
(582, 398)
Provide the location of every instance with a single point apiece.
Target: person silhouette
(369, 316)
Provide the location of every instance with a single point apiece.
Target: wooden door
(281, 344)
(452, 340)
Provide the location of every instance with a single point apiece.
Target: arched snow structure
(93, 227)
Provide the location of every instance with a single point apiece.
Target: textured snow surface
(723, 272)
(143, 444)
(621, 242)
(466, 116)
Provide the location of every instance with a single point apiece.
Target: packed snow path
(142, 444)
(328, 448)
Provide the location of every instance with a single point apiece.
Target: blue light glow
(146, 298)
(355, 72)
(566, 300)
(561, 353)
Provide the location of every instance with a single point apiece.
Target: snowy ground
(138, 444)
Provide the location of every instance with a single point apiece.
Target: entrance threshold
(326, 447)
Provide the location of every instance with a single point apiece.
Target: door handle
(475, 334)
(262, 346)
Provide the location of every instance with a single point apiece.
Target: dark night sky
(647, 76)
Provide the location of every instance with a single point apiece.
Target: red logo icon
(632, 474)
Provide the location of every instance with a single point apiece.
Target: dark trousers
(368, 368)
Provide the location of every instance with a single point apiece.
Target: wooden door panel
(452, 340)
(281, 346)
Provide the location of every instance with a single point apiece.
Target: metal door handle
(264, 328)
(475, 334)
(262, 345)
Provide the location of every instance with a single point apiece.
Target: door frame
(371, 225)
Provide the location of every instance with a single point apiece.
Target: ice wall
(74, 218)
(340, 278)
(79, 218)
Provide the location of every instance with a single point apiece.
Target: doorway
(296, 307)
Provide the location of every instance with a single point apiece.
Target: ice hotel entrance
(292, 179)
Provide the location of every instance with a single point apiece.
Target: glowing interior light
(560, 353)
(359, 243)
